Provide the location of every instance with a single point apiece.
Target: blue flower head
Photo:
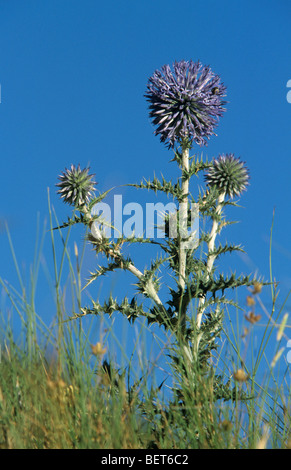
(185, 103)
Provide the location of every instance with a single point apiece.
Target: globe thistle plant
(185, 103)
(228, 174)
(76, 186)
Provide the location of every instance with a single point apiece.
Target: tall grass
(60, 390)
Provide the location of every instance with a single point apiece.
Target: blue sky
(73, 75)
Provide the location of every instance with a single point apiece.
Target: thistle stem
(183, 218)
(151, 291)
(211, 255)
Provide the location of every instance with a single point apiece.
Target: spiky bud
(228, 174)
(76, 186)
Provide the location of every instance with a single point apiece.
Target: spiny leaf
(164, 186)
(195, 167)
(225, 249)
(71, 221)
(98, 199)
(101, 272)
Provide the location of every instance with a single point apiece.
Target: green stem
(151, 291)
(211, 257)
(183, 218)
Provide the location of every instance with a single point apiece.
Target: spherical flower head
(76, 186)
(228, 174)
(185, 103)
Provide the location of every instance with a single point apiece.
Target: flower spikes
(185, 103)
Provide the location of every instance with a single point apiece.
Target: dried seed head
(240, 376)
(98, 349)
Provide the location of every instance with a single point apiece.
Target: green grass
(58, 392)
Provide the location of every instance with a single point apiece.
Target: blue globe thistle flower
(228, 174)
(186, 103)
(76, 185)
